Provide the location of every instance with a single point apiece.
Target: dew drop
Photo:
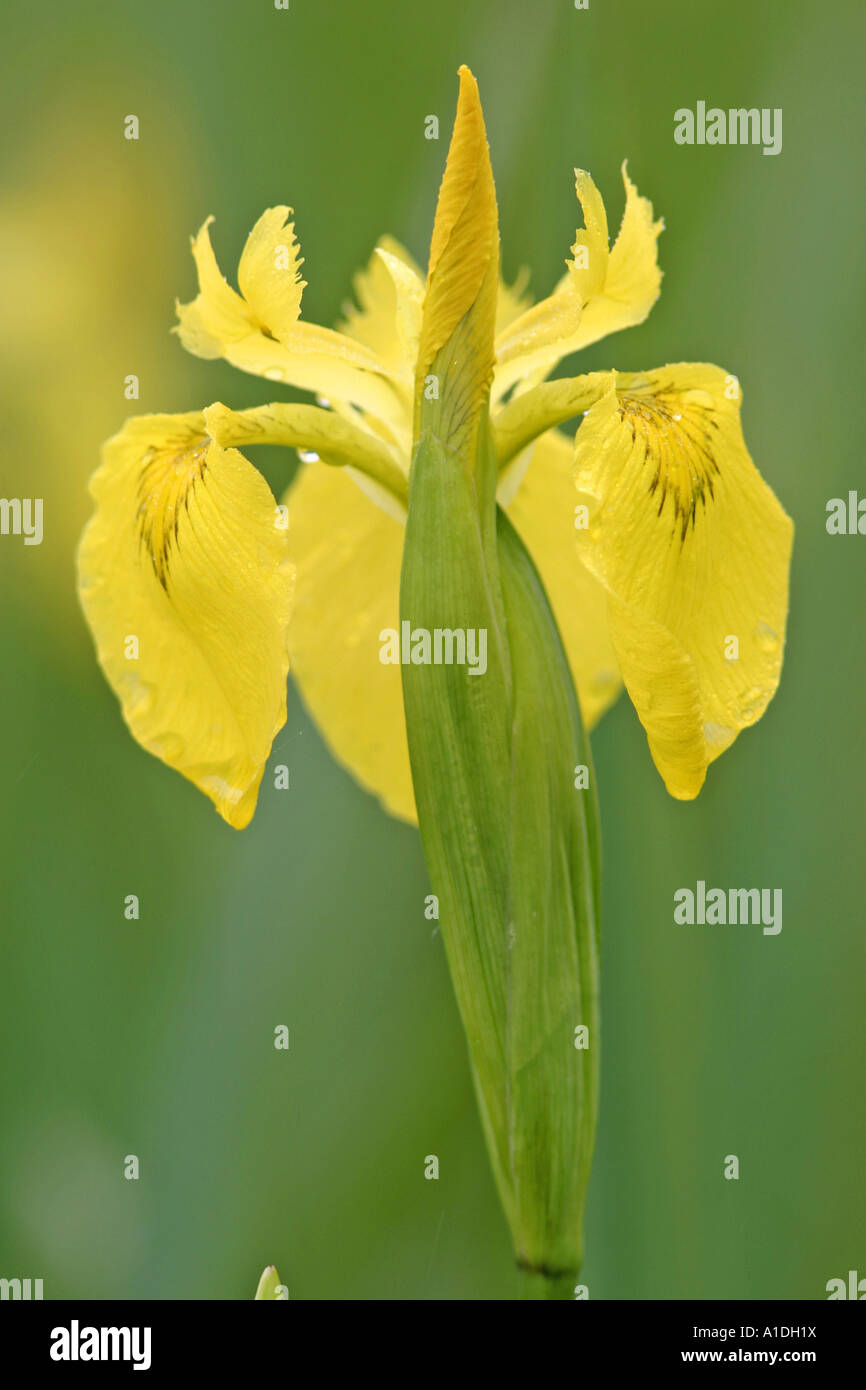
(308, 456)
(766, 638)
(604, 681)
(717, 735)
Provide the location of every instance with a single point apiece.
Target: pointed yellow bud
(269, 1287)
(456, 346)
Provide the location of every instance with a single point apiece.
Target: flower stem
(547, 1286)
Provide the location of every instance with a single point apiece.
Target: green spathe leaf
(511, 844)
(553, 928)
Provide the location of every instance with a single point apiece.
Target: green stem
(542, 1286)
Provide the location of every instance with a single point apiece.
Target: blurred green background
(156, 1037)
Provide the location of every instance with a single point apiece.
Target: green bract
(511, 841)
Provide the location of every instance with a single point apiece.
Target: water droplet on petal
(308, 456)
(717, 735)
(766, 638)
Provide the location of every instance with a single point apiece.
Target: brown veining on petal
(169, 475)
(676, 430)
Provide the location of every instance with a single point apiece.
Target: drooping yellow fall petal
(544, 511)
(694, 551)
(347, 554)
(601, 292)
(186, 584)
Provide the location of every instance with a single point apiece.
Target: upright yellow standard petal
(390, 293)
(513, 300)
(694, 551)
(271, 286)
(632, 278)
(587, 269)
(601, 292)
(269, 274)
(218, 315)
(261, 331)
(186, 584)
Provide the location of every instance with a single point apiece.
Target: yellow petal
(217, 316)
(544, 511)
(270, 282)
(601, 292)
(694, 551)
(266, 337)
(396, 248)
(587, 269)
(390, 294)
(348, 553)
(269, 274)
(535, 341)
(632, 277)
(324, 362)
(512, 300)
(185, 581)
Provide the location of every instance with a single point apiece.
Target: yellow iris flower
(664, 555)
